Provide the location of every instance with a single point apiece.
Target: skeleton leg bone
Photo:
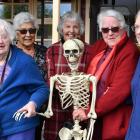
(91, 129)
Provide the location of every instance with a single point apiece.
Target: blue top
(23, 84)
(134, 125)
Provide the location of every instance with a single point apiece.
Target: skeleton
(74, 90)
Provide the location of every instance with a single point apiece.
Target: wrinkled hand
(29, 108)
(79, 114)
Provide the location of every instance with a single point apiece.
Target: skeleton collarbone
(74, 89)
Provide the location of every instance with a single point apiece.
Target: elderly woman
(22, 88)
(134, 126)
(26, 27)
(113, 64)
(70, 26)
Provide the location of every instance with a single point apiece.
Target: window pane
(21, 1)
(47, 10)
(19, 8)
(5, 11)
(47, 31)
(64, 7)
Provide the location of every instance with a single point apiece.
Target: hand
(79, 114)
(29, 108)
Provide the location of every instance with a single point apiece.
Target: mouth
(1, 46)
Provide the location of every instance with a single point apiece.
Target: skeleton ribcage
(74, 90)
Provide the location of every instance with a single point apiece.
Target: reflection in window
(47, 10)
(19, 8)
(5, 11)
(21, 1)
(47, 31)
(64, 7)
(7, 8)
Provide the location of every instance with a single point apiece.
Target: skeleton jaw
(73, 66)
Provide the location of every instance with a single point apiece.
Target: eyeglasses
(112, 29)
(24, 31)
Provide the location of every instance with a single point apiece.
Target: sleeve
(134, 127)
(120, 86)
(34, 83)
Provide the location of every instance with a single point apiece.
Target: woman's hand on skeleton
(79, 114)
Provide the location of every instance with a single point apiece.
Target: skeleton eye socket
(71, 51)
(75, 51)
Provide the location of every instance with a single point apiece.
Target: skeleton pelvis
(65, 134)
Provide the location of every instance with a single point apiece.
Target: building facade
(48, 18)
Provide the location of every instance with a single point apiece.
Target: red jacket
(112, 106)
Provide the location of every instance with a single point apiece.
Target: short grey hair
(24, 17)
(8, 28)
(111, 13)
(70, 15)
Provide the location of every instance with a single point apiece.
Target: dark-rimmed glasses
(112, 29)
(24, 31)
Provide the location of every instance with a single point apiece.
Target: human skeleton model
(74, 90)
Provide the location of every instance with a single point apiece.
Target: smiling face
(112, 36)
(4, 42)
(27, 39)
(137, 29)
(71, 29)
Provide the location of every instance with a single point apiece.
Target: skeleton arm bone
(48, 113)
(92, 114)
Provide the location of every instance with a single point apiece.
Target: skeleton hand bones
(27, 111)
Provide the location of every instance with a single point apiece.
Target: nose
(110, 32)
(27, 34)
(71, 29)
(1, 39)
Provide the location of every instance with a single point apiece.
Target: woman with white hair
(70, 26)
(22, 89)
(26, 27)
(114, 60)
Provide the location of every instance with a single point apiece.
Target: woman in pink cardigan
(113, 64)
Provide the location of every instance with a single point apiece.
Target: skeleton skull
(73, 50)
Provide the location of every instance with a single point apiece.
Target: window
(8, 9)
(64, 7)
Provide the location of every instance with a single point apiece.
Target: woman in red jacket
(113, 64)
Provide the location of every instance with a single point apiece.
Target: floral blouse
(39, 58)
